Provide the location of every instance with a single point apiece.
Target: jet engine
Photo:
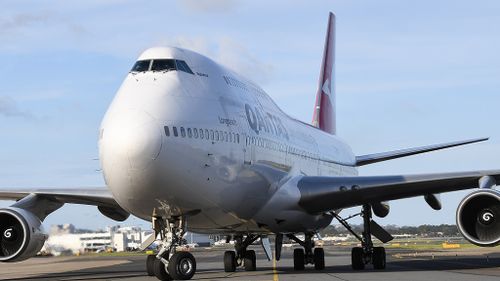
(21, 234)
(478, 217)
(381, 209)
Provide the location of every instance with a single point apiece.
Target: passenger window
(201, 133)
(141, 65)
(167, 131)
(238, 138)
(163, 65)
(195, 133)
(225, 136)
(217, 135)
(183, 132)
(230, 137)
(190, 132)
(207, 135)
(175, 131)
(212, 134)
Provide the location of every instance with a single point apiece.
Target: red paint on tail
(324, 109)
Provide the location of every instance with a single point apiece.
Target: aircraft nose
(131, 139)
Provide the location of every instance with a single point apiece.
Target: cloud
(45, 18)
(228, 52)
(9, 108)
(208, 6)
(23, 20)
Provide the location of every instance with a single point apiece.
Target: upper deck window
(163, 65)
(141, 65)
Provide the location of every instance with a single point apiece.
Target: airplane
(189, 144)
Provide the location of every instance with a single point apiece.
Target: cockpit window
(163, 65)
(141, 65)
(182, 66)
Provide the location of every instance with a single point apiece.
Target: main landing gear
(170, 264)
(308, 254)
(241, 256)
(360, 256)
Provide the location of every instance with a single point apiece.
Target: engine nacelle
(21, 234)
(478, 217)
(381, 209)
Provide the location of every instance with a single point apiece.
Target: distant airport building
(66, 239)
(198, 240)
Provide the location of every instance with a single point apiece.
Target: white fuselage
(211, 146)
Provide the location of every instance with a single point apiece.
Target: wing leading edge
(35, 200)
(85, 196)
(384, 156)
(321, 194)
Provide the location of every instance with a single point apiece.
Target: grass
(422, 245)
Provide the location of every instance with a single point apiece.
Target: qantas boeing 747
(188, 144)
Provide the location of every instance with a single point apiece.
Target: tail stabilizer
(324, 109)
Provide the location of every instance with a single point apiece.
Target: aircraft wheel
(378, 258)
(229, 261)
(150, 261)
(182, 266)
(298, 259)
(319, 258)
(357, 258)
(250, 260)
(160, 271)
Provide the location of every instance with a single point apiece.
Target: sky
(407, 74)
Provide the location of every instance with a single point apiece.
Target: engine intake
(478, 217)
(21, 235)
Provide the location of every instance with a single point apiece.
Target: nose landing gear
(170, 264)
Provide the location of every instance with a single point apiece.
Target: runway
(402, 265)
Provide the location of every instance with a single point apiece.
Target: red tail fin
(324, 110)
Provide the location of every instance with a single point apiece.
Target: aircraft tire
(250, 260)
(229, 261)
(182, 266)
(160, 271)
(378, 258)
(357, 261)
(298, 259)
(150, 263)
(319, 258)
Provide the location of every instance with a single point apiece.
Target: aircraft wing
(321, 194)
(88, 196)
(99, 197)
(384, 156)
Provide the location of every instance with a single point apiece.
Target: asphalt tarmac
(402, 265)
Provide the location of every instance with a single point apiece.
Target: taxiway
(402, 265)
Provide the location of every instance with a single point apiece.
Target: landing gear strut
(242, 256)
(168, 264)
(360, 256)
(308, 254)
